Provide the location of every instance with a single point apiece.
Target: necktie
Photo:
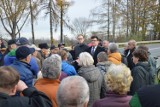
(92, 51)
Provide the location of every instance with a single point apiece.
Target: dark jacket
(98, 49)
(140, 74)
(31, 98)
(129, 58)
(146, 97)
(23, 69)
(79, 48)
(113, 100)
(95, 80)
(103, 66)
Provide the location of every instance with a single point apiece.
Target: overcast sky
(80, 8)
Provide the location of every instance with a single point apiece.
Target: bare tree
(14, 13)
(81, 25)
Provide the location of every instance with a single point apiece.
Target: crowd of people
(95, 75)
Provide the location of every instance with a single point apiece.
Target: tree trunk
(32, 23)
(61, 27)
(108, 20)
(51, 29)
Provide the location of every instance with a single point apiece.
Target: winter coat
(140, 74)
(103, 66)
(31, 98)
(49, 87)
(128, 54)
(24, 71)
(115, 58)
(79, 48)
(11, 57)
(146, 97)
(68, 69)
(94, 79)
(113, 100)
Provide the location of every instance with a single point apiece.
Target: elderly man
(80, 47)
(129, 51)
(10, 83)
(23, 56)
(105, 45)
(113, 55)
(49, 84)
(11, 56)
(73, 92)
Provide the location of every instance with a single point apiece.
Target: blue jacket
(25, 73)
(68, 69)
(9, 59)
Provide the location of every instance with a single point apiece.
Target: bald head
(132, 44)
(105, 44)
(73, 92)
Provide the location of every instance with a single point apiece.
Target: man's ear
(28, 58)
(85, 104)
(13, 90)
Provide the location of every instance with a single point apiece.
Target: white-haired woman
(92, 76)
(118, 80)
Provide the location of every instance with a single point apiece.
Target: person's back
(23, 56)
(50, 82)
(146, 97)
(73, 92)
(118, 79)
(10, 83)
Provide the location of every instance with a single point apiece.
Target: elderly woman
(92, 75)
(118, 80)
(49, 84)
(141, 71)
(113, 55)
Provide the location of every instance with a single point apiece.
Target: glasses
(94, 40)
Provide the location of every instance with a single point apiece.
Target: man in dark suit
(95, 49)
(128, 53)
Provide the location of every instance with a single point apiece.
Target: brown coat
(49, 87)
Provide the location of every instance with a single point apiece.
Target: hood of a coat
(145, 65)
(115, 57)
(90, 73)
(104, 65)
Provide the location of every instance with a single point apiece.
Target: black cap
(22, 52)
(12, 41)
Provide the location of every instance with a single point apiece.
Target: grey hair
(51, 67)
(118, 78)
(102, 56)
(113, 47)
(73, 92)
(133, 42)
(85, 59)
